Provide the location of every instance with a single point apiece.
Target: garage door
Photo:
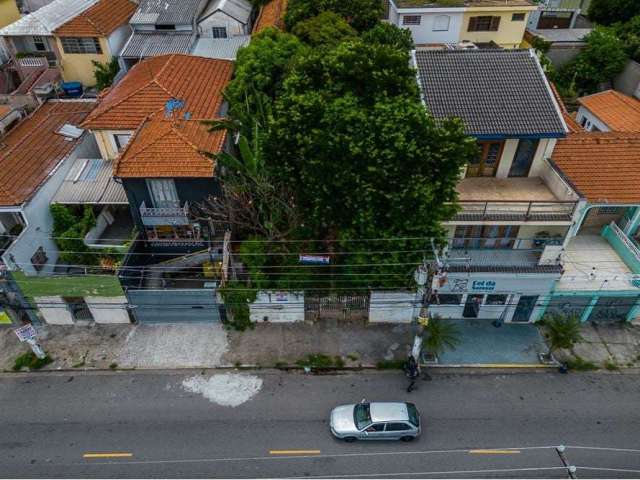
(174, 306)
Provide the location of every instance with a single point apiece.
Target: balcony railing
(164, 215)
(515, 211)
(625, 248)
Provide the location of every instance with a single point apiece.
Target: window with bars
(81, 45)
(219, 32)
(39, 44)
(484, 23)
(411, 20)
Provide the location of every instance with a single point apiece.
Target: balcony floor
(586, 251)
(491, 189)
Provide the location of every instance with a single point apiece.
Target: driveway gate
(174, 306)
(336, 307)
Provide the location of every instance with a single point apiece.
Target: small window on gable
(517, 17)
(441, 23)
(411, 19)
(39, 44)
(219, 32)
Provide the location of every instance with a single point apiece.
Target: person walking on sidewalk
(412, 371)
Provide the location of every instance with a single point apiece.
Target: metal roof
(143, 45)
(238, 9)
(224, 48)
(497, 93)
(46, 19)
(90, 181)
(166, 12)
(562, 35)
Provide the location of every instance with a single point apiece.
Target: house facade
(504, 245)
(609, 111)
(465, 21)
(95, 35)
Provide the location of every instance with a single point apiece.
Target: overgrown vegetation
(320, 360)
(237, 298)
(441, 335)
(390, 365)
(579, 364)
(105, 73)
(608, 12)
(30, 361)
(562, 331)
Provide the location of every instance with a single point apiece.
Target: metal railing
(164, 211)
(515, 211)
(633, 248)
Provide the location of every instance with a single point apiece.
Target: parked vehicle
(376, 421)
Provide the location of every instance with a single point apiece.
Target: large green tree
(600, 61)
(629, 34)
(325, 29)
(607, 12)
(360, 14)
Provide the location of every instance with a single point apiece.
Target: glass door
(524, 309)
(486, 164)
(523, 158)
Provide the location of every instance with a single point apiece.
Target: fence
(350, 308)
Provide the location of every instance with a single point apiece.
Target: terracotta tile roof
(271, 15)
(98, 21)
(603, 166)
(144, 91)
(5, 110)
(170, 148)
(618, 111)
(33, 149)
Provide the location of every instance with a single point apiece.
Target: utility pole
(571, 469)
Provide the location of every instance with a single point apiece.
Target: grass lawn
(69, 286)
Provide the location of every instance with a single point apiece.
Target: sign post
(28, 334)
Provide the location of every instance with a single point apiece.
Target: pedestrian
(412, 371)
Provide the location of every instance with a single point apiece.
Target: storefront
(510, 297)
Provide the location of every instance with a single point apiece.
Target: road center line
(108, 455)
(294, 452)
(493, 452)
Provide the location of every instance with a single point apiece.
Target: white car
(376, 421)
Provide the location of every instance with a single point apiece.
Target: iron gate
(336, 307)
(174, 306)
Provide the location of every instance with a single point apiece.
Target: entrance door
(486, 164)
(525, 307)
(472, 306)
(523, 158)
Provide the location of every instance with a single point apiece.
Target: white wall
(221, 19)
(54, 310)
(592, 122)
(103, 312)
(424, 32)
(508, 152)
(118, 38)
(556, 184)
(278, 307)
(8, 119)
(38, 218)
(392, 307)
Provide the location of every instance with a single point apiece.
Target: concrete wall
(38, 218)
(509, 34)
(628, 82)
(118, 38)
(392, 307)
(54, 311)
(556, 184)
(424, 33)
(560, 55)
(108, 309)
(278, 307)
(592, 123)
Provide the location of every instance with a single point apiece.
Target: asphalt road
(50, 422)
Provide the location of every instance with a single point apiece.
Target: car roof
(388, 411)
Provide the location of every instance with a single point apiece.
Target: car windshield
(362, 415)
(413, 414)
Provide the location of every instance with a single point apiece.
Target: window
(486, 164)
(81, 45)
(163, 193)
(488, 236)
(165, 27)
(441, 23)
(523, 158)
(39, 44)
(448, 299)
(583, 122)
(609, 210)
(411, 20)
(219, 32)
(90, 170)
(121, 140)
(362, 415)
(397, 427)
(376, 427)
(39, 259)
(517, 17)
(413, 414)
(484, 24)
(496, 300)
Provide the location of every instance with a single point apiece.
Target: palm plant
(440, 336)
(562, 331)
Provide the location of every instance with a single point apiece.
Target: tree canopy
(389, 34)
(608, 12)
(360, 14)
(327, 28)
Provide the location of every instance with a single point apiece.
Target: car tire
(407, 438)
(350, 439)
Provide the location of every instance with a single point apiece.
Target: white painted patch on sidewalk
(228, 389)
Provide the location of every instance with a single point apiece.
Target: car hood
(342, 419)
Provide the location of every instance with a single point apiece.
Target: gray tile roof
(499, 93)
(143, 45)
(166, 12)
(90, 181)
(223, 48)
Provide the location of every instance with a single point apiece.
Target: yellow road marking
(294, 452)
(494, 452)
(108, 455)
